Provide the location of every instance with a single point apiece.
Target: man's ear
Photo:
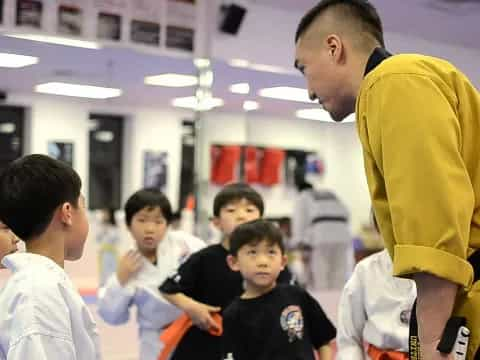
(233, 263)
(65, 213)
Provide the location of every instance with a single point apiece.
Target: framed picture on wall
(62, 151)
(29, 13)
(145, 32)
(109, 26)
(70, 20)
(155, 170)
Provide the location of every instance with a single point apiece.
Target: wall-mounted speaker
(232, 18)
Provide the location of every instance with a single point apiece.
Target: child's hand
(201, 315)
(128, 266)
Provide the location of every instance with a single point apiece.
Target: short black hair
(253, 232)
(360, 10)
(31, 189)
(235, 192)
(147, 198)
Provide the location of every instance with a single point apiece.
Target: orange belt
(379, 354)
(172, 335)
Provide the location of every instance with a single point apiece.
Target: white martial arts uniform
(153, 311)
(321, 220)
(42, 316)
(374, 308)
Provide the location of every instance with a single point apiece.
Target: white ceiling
(126, 68)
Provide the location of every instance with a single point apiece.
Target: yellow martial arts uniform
(418, 120)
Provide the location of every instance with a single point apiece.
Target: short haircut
(235, 192)
(359, 11)
(31, 189)
(147, 198)
(253, 232)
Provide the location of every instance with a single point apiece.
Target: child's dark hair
(253, 232)
(31, 189)
(147, 198)
(235, 192)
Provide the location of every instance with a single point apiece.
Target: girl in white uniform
(140, 272)
(374, 312)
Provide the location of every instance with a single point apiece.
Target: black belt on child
(319, 219)
(451, 329)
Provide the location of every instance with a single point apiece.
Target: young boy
(205, 284)
(376, 315)
(8, 242)
(160, 251)
(268, 321)
(43, 316)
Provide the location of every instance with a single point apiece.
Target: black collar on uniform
(378, 55)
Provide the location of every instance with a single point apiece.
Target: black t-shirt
(284, 324)
(207, 278)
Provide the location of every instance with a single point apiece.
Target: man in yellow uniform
(418, 120)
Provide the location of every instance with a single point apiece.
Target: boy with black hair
(205, 284)
(270, 321)
(43, 316)
(160, 251)
(8, 242)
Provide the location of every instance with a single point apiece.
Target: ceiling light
(271, 68)
(241, 63)
(84, 91)
(201, 63)
(286, 93)
(321, 115)
(16, 61)
(191, 102)
(57, 40)
(171, 80)
(240, 88)
(250, 105)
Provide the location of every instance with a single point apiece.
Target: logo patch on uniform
(405, 317)
(291, 321)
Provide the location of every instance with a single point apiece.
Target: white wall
(159, 129)
(336, 143)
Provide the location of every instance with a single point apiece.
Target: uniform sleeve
(320, 327)
(45, 347)
(41, 328)
(417, 177)
(184, 280)
(114, 301)
(351, 319)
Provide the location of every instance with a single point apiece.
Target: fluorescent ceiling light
(321, 115)
(191, 102)
(57, 40)
(241, 63)
(240, 88)
(250, 105)
(201, 63)
(84, 91)
(171, 80)
(16, 61)
(286, 93)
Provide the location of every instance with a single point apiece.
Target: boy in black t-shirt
(270, 322)
(205, 284)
